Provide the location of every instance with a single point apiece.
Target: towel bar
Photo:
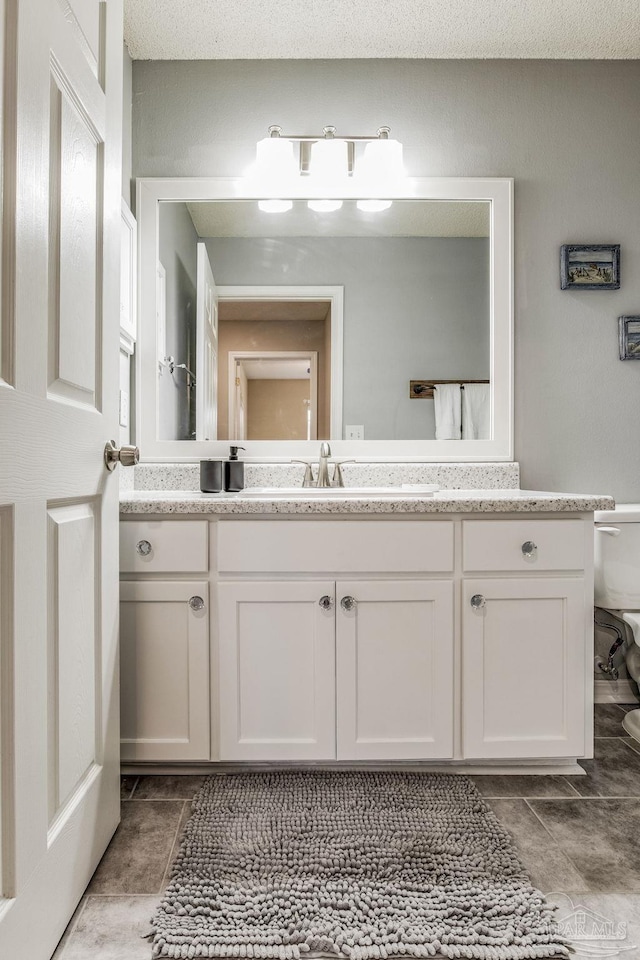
(423, 389)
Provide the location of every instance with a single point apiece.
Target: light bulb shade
(329, 161)
(381, 163)
(373, 206)
(324, 206)
(275, 206)
(275, 161)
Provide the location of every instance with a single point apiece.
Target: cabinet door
(524, 649)
(277, 671)
(394, 649)
(164, 670)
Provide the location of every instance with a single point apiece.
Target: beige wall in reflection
(277, 408)
(271, 335)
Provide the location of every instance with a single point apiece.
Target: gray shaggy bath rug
(356, 865)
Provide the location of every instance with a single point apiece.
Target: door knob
(348, 603)
(143, 548)
(128, 456)
(326, 602)
(529, 549)
(477, 601)
(196, 603)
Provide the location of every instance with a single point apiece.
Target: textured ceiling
(276, 369)
(405, 218)
(296, 310)
(335, 29)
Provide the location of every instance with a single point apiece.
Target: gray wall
(414, 307)
(569, 134)
(178, 256)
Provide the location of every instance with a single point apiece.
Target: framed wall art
(590, 266)
(629, 337)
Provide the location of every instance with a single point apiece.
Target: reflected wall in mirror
(360, 309)
(306, 326)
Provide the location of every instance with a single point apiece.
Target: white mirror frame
(498, 191)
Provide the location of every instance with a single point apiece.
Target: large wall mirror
(277, 330)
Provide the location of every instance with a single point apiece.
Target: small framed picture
(590, 266)
(629, 336)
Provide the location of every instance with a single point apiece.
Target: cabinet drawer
(523, 545)
(336, 546)
(175, 546)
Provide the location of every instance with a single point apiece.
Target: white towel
(448, 410)
(475, 411)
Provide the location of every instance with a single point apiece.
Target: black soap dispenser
(234, 471)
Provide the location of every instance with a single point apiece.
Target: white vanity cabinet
(322, 639)
(358, 665)
(524, 638)
(347, 670)
(165, 712)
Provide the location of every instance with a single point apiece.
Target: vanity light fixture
(329, 157)
(382, 159)
(373, 206)
(275, 206)
(381, 164)
(324, 206)
(328, 168)
(328, 161)
(276, 167)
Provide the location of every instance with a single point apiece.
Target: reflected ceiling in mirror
(252, 361)
(404, 218)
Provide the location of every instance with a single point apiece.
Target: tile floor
(579, 838)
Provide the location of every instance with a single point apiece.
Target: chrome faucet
(323, 479)
(323, 472)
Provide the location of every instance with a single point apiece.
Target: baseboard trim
(482, 768)
(615, 691)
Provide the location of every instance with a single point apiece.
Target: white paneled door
(61, 157)
(206, 349)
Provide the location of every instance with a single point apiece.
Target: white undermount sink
(310, 493)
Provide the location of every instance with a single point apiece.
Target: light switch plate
(354, 432)
(124, 409)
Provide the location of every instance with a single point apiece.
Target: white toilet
(617, 582)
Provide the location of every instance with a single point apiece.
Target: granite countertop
(444, 501)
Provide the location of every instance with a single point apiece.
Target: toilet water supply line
(609, 667)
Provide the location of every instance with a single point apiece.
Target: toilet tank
(617, 557)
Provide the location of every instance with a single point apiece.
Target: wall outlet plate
(354, 432)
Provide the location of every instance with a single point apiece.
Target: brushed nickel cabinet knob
(348, 603)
